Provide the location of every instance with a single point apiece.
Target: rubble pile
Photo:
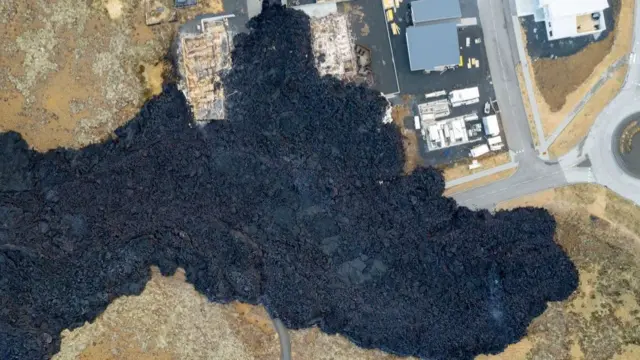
(296, 202)
(203, 58)
(333, 46)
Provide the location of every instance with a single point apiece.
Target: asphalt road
(285, 342)
(599, 145)
(533, 174)
(591, 161)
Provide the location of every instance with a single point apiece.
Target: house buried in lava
(204, 54)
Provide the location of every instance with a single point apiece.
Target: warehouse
(423, 11)
(441, 36)
(432, 42)
(566, 18)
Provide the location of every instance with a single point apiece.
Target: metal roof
(433, 45)
(433, 10)
(561, 8)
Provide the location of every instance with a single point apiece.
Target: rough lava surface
(296, 202)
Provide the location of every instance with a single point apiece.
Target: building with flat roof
(566, 18)
(434, 10)
(433, 47)
(432, 41)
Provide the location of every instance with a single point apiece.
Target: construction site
(203, 58)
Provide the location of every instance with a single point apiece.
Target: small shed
(491, 126)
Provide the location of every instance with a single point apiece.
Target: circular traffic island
(626, 145)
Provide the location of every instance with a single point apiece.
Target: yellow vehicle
(390, 15)
(395, 29)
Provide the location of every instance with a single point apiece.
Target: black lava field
(297, 202)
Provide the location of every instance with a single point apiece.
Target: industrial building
(566, 18)
(441, 133)
(432, 41)
(445, 133)
(424, 11)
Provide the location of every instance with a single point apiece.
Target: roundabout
(613, 144)
(626, 145)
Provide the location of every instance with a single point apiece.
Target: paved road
(533, 174)
(479, 175)
(285, 342)
(591, 161)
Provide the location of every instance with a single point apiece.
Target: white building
(466, 96)
(445, 133)
(566, 18)
(491, 127)
(495, 143)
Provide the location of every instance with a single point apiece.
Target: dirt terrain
(486, 180)
(600, 232)
(409, 138)
(579, 128)
(601, 321)
(461, 168)
(561, 83)
(78, 47)
(171, 320)
(75, 70)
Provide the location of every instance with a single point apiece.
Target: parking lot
(392, 75)
(370, 29)
(415, 84)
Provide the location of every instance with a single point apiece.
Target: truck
(495, 143)
(466, 96)
(479, 150)
(416, 122)
(435, 94)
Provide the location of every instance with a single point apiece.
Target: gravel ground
(68, 54)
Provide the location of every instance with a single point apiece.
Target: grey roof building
(434, 10)
(433, 46)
